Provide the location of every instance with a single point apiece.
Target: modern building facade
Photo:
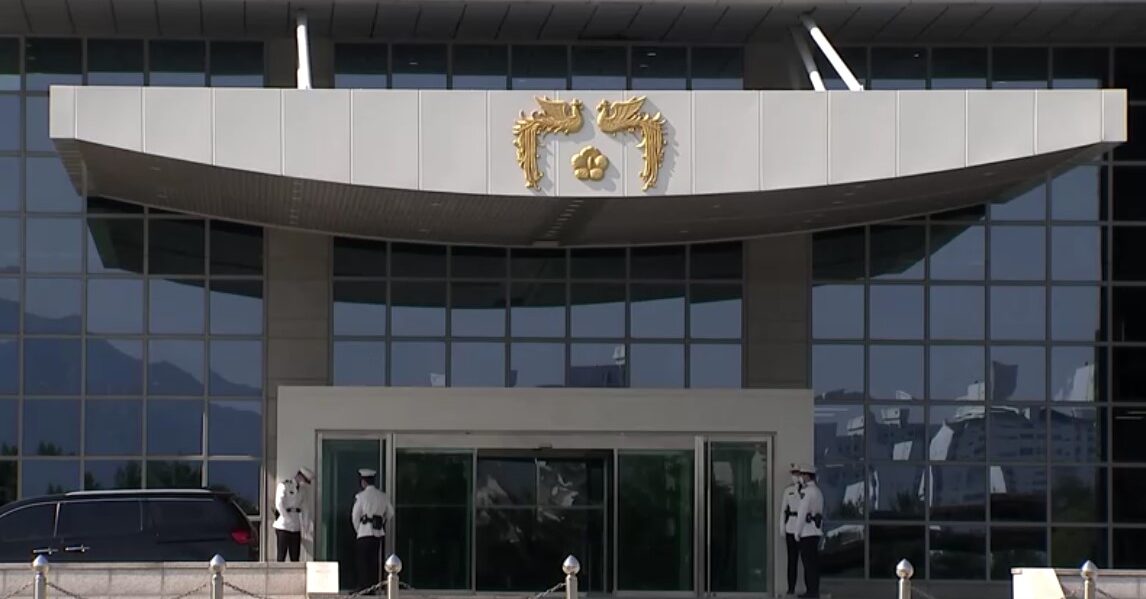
(236, 237)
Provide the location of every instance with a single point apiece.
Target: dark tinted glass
(537, 310)
(52, 305)
(898, 497)
(10, 245)
(418, 364)
(1128, 543)
(839, 433)
(1135, 148)
(958, 552)
(838, 311)
(1079, 194)
(52, 366)
(1018, 313)
(958, 68)
(716, 261)
(115, 306)
(1078, 494)
(9, 422)
(49, 61)
(658, 262)
(359, 363)
(9, 370)
(1019, 253)
(659, 67)
(52, 427)
(113, 427)
(175, 367)
(957, 372)
(1129, 430)
(1078, 435)
(418, 309)
(536, 365)
(1128, 486)
(838, 255)
(10, 117)
(838, 371)
(235, 427)
(597, 365)
(1026, 203)
(1018, 373)
(176, 306)
(477, 309)
(1019, 68)
(897, 252)
(175, 427)
(600, 67)
(188, 516)
(33, 522)
(1129, 193)
(537, 264)
(597, 310)
(1017, 548)
(359, 308)
(477, 364)
(9, 305)
(1130, 73)
(1077, 313)
(8, 474)
(242, 479)
(540, 67)
(10, 64)
(715, 311)
(9, 189)
(1073, 546)
(361, 66)
(957, 252)
(844, 556)
(112, 474)
(49, 189)
(1129, 247)
(656, 365)
(895, 312)
(115, 62)
(1018, 434)
(409, 260)
(480, 67)
(236, 307)
(358, 258)
(1077, 253)
(656, 311)
(898, 68)
(477, 263)
(1081, 68)
(1129, 374)
(419, 66)
(714, 366)
(115, 245)
(717, 68)
(98, 205)
(889, 543)
(895, 372)
(856, 60)
(47, 477)
(36, 136)
(114, 367)
(1129, 320)
(896, 432)
(176, 247)
(172, 474)
(236, 368)
(236, 64)
(178, 63)
(957, 312)
(236, 249)
(598, 264)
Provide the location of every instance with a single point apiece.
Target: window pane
(361, 66)
(236, 64)
(477, 364)
(10, 117)
(175, 427)
(895, 372)
(419, 66)
(175, 367)
(418, 261)
(1077, 314)
(597, 365)
(537, 264)
(896, 312)
(537, 310)
(51, 427)
(9, 427)
(236, 249)
(176, 247)
(958, 68)
(9, 77)
(717, 68)
(897, 252)
(838, 255)
(1073, 546)
(178, 63)
(1078, 434)
(957, 312)
(49, 61)
(1128, 543)
(1073, 372)
(1129, 189)
(53, 245)
(106, 475)
(236, 368)
(113, 427)
(1019, 68)
(10, 245)
(8, 475)
(236, 307)
(843, 556)
(1077, 253)
(1018, 373)
(9, 305)
(235, 427)
(958, 493)
(1135, 124)
(243, 479)
(1129, 247)
(1078, 494)
(359, 363)
(659, 67)
(657, 311)
(418, 364)
(171, 474)
(716, 261)
(597, 264)
(537, 365)
(359, 308)
(418, 309)
(600, 67)
(540, 67)
(957, 372)
(480, 67)
(714, 366)
(1017, 435)
(844, 489)
(1079, 194)
(52, 366)
(958, 552)
(837, 372)
(1080, 68)
(36, 137)
(478, 309)
(657, 365)
(477, 263)
(715, 311)
(598, 310)
(957, 252)
(838, 311)
(665, 262)
(1018, 253)
(898, 68)
(115, 62)
(10, 197)
(1018, 313)
(47, 477)
(895, 494)
(891, 543)
(1027, 204)
(115, 245)
(958, 434)
(896, 432)
(49, 187)
(52, 306)
(176, 306)
(115, 306)
(115, 367)
(648, 532)
(1017, 548)
(359, 258)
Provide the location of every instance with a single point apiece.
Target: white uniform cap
(806, 469)
(367, 473)
(307, 473)
(793, 467)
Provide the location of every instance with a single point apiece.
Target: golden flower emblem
(590, 164)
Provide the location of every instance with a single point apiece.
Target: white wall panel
(453, 147)
(861, 136)
(1000, 125)
(111, 116)
(316, 127)
(177, 123)
(932, 131)
(248, 129)
(384, 138)
(724, 158)
(794, 139)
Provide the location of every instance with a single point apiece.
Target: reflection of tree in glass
(1074, 499)
(7, 450)
(49, 449)
(129, 476)
(244, 503)
(174, 475)
(654, 518)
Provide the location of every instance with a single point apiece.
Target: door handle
(44, 551)
(77, 549)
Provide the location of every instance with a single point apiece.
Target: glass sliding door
(432, 533)
(655, 520)
(738, 516)
(338, 484)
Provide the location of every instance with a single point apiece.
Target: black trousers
(368, 559)
(287, 542)
(810, 554)
(793, 561)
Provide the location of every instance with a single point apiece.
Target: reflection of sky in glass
(896, 312)
(1018, 313)
(51, 427)
(359, 363)
(49, 189)
(241, 478)
(235, 427)
(174, 427)
(537, 310)
(962, 256)
(659, 317)
(42, 477)
(1077, 253)
(477, 364)
(838, 371)
(957, 372)
(417, 364)
(1028, 204)
(53, 245)
(714, 366)
(9, 124)
(115, 306)
(957, 312)
(1018, 253)
(656, 365)
(236, 307)
(52, 306)
(1018, 373)
(837, 311)
(478, 310)
(418, 309)
(1076, 194)
(537, 365)
(896, 372)
(36, 125)
(113, 427)
(9, 245)
(52, 366)
(9, 366)
(236, 368)
(1073, 373)
(597, 365)
(9, 190)
(175, 367)
(115, 367)
(359, 308)
(598, 311)
(176, 307)
(715, 312)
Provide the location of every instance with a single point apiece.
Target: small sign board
(322, 578)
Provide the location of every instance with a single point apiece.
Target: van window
(90, 518)
(32, 522)
(193, 516)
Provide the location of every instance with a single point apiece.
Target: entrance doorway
(670, 514)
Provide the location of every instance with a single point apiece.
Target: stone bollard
(217, 566)
(1089, 573)
(904, 570)
(393, 567)
(40, 582)
(571, 567)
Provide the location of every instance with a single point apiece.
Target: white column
(830, 52)
(303, 75)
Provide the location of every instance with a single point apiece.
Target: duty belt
(788, 513)
(818, 519)
(295, 510)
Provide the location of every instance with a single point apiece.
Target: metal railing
(1088, 571)
(218, 585)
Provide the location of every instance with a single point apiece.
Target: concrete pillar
(778, 313)
(298, 332)
(774, 65)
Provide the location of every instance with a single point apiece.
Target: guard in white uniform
(370, 515)
(810, 520)
(291, 505)
(789, 525)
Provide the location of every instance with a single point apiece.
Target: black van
(127, 526)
